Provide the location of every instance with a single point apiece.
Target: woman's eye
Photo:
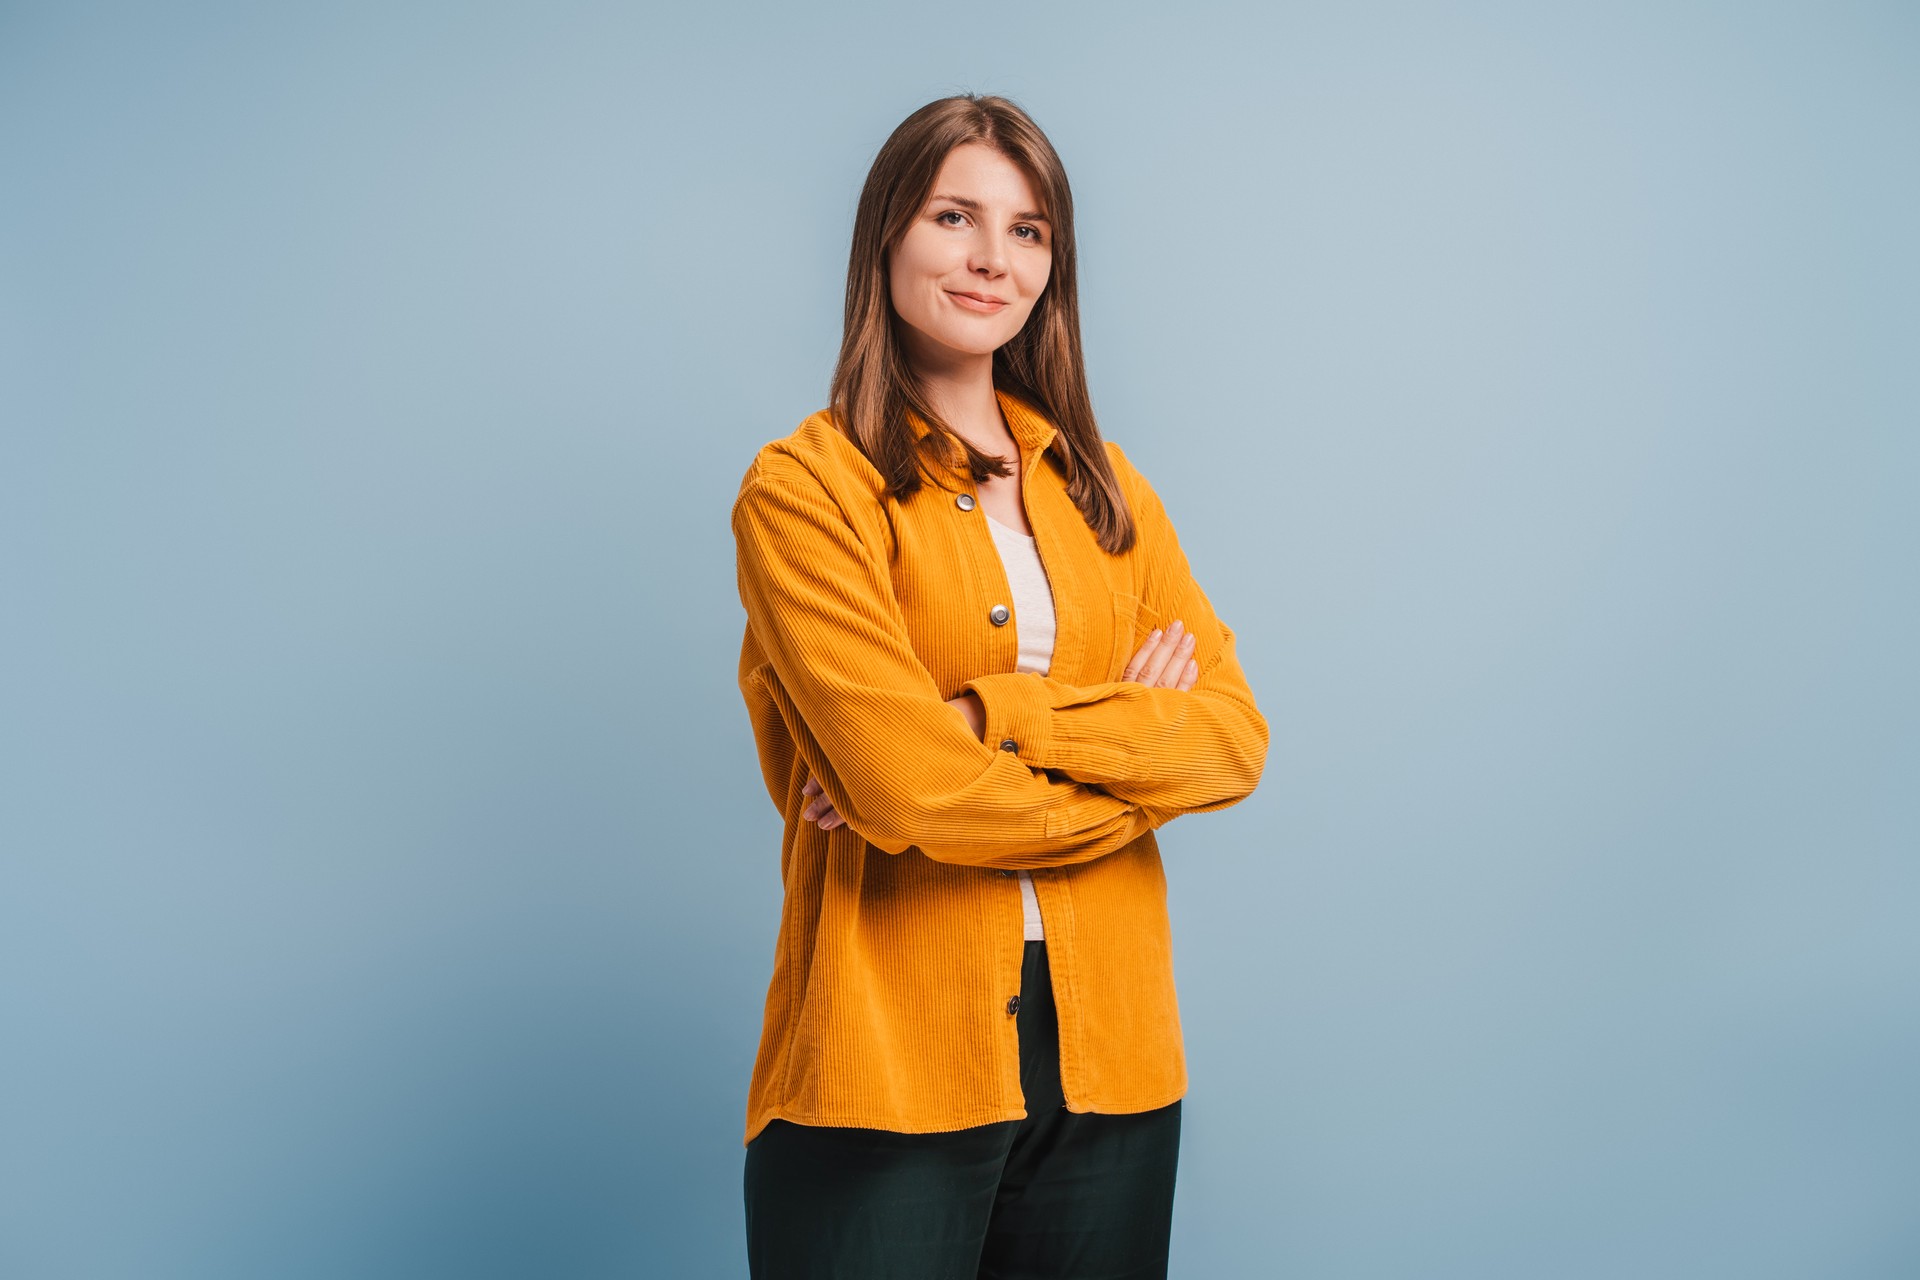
(1031, 233)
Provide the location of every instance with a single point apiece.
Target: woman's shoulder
(815, 454)
(1132, 482)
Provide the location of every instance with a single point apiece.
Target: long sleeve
(1173, 750)
(898, 763)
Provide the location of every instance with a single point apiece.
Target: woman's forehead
(973, 175)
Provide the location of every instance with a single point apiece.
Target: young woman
(980, 676)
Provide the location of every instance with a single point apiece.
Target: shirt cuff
(1019, 715)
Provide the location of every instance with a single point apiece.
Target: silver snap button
(964, 502)
(1008, 744)
(999, 613)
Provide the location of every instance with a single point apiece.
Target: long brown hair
(874, 386)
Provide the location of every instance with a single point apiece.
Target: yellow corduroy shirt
(901, 934)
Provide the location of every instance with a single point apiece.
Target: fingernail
(1154, 634)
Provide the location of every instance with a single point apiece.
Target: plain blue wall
(388, 887)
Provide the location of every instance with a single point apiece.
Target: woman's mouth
(972, 303)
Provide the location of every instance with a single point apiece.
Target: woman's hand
(819, 810)
(1165, 661)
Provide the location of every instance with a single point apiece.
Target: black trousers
(1060, 1195)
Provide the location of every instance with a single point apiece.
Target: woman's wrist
(973, 710)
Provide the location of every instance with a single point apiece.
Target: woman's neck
(967, 404)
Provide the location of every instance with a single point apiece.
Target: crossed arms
(1096, 765)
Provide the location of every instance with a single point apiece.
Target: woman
(980, 676)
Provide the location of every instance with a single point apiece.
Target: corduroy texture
(900, 938)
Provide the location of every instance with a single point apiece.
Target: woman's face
(973, 263)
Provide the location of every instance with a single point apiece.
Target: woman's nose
(989, 255)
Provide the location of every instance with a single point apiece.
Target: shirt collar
(1030, 427)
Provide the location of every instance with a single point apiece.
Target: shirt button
(1008, 744)
(1007, 873)
(1013, 1004)
(964, 502)
(999, 613)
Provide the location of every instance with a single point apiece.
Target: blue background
(388, 887)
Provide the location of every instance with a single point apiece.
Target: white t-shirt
(1033, 614)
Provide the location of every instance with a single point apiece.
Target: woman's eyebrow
(967, 202)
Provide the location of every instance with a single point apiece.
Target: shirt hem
(892, 1124)
(895, 1124)
(1130, 1108)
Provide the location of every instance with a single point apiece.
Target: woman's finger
(1143, 663)
(820, 809)
(1168, 649)
(1166, 660)
(1174, 675)
(1179, 660)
